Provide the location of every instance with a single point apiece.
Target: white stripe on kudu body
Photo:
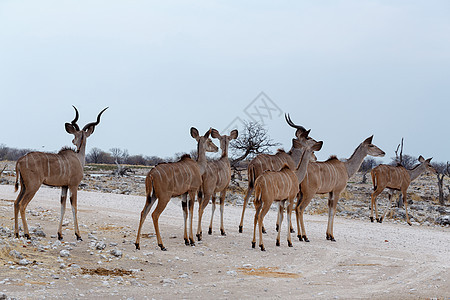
(215, 180)
(174, 179)
(330, 177)
(64, 170)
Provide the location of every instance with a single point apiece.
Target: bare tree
(442, 170)
(252, 141)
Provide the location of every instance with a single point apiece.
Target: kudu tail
(16, 186)
(251, 177)
(149, 189)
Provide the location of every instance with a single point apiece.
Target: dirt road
(369, 260)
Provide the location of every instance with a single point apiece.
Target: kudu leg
(17, 205)
(280, 220)
(64, 190)
(184, 206)
(191, 217)
(388, 208)
(27, 196)
(332, 203)
(213, 210)
(255, 221)
(405, 202)
(302, 203)
(73, 202)
(202, 203)
(222, 207)
(147, 207)
(289, 215)
(247, 196)
(265, 208)
(162, 203)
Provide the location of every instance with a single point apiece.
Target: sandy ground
(369, 260)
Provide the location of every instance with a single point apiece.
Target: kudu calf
(281, 186)
(330, 177)
(64, 169)
(180, 178)
(395, 178)
(272, 162)
(215, 180)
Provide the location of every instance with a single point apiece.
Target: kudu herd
(282, 178)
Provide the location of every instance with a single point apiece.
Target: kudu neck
(303, 164)
(81, 153)
(296, 154)
(415, 172)
(354, 162)
(201, 159)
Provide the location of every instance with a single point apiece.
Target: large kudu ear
(215, 134)
(368, 140)
(194, 133)
(90, 127)
(421, 159)
(234, 134)
(304, 134)
(317, 146)
(206, 135)
(72, 127)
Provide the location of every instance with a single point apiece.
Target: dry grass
(267, 272)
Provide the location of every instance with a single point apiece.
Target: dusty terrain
(369, 260)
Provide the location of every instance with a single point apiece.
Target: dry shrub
(346, 195)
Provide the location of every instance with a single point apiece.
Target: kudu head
(203, 141)
(426, 163)
(306, 142)
(371, 149)
(224, 139)
(81, 135)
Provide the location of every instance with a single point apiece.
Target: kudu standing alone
(281, 186)
(64, 170)
(330, 177)
(395, 178)
(215, 180)
(269, 162)
(180, 178)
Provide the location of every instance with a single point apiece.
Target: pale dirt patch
(369, 260)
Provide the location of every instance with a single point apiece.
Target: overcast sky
(345, 69)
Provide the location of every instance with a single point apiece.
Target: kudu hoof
(192, 242)
(262, 247)
(278, 243)
(371, 219)
(138, 247)
(292, 230)
(17, 235)
(264, 230)
(199, 237)
(27, 236)
(380, 220)
(253, 245)
(240, 229)
(60, 237)
(162, 247)
(79, 238)
(330, 238)
(289, 244)
(300, 238)
(186, 242)
(222, 232)
(305, 238)
(210, 231)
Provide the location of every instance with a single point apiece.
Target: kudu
(281, 186)
(64, 169)
(215, 180)
(395, 178)
(330, 177)
(180, 178)
(272, 162)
